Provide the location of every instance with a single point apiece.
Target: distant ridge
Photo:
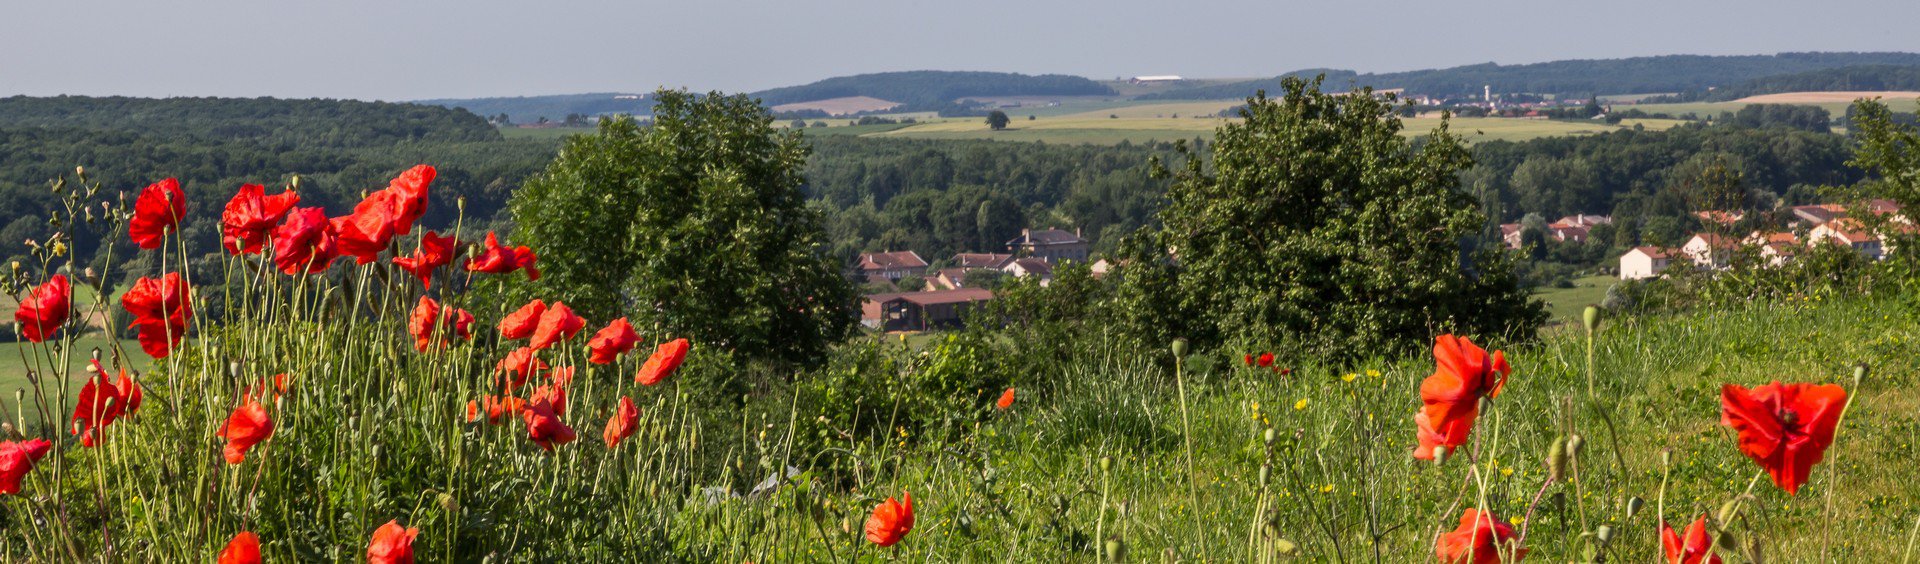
(927, 90)
(1579, 77)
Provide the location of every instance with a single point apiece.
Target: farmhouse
(1051, 245)
(989, 261)
(1030, 266)
(1643, 262)
(1851, 233)
(920, 311)
(1510, 233)
(891, 266)
(1709, 250)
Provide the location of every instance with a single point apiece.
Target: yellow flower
(1348, 377)
(1371, 373)
(1299, 405)
(1515, 520)
(1326, 488)
(1506, 471)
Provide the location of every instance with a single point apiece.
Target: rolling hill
(927, 90)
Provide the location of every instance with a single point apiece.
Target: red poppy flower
(554, 395)
(891, 521)
(45, 309)
(544, 426)
(1006, 400)
(521, 323)
(561, 375)
(157, 211)
(665, 360)
(495, 259)
(434, 325)
(1784, 427)
(160, 310)
(409, 197)
(557, 324)
(392, 544)
(612, 341)
(243, 549)
(17, 459)
(1249, 360)
(497, 407)
(103, 401)
(1451, 396)
(434, 252)
(251, 215)
(625, 421)
(1265, 360)
(246, 427)
(305, 242)
(1695, 548)
(1480, 539)
(522, 363)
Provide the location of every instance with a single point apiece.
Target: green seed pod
(1180, 347)
(1591, 317)
(1604, 534)
(1859, 373)
(447, 502)
(1726, 512)
(1269, 435)
(1557, 460)
(1106, 464)
(1573, 445)
(1266, 472)
(1115, 549)
(1634, 505)
(1727, 541)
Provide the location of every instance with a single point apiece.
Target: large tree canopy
(1319, 225)
(694, 225)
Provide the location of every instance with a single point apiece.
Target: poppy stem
(1186, 432)
(1833, 469)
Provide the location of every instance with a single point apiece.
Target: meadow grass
(1564, 305)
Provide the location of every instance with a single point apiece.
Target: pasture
(1834, 102)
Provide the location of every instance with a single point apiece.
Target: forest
(933, 90)
(1857, 78)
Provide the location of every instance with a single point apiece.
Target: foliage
(1319, 225)
(528, 109)
(997, 120)
(268, 121)
(1851, 78)
(699, 220)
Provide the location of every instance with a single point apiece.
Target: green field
(554, 133)
(1138, 124)
(1566, 304)
(1714, 109)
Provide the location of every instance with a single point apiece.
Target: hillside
(303, 123)
(528, 109)
(917, 90)
(1857, 78)
(1579, 77)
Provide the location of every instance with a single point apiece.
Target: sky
(417, 49)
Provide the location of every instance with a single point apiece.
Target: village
(944, 296)
(1806, 225)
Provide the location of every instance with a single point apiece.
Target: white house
(1709, 250)
(1850, 233)
(1643, 262)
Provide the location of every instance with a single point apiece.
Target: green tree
(997, 120)
(1318, 225)
(695, 224)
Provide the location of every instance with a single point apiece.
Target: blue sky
(412, 49)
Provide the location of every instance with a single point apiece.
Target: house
(1710, 250)
(1100, 268)
(1643, 262)
(1510, 233)
(1845, 231)
(920, 311)
(1030, 266)
(949, 278)
(1721, 217)
(1567, 233)
(1583, 220)
(1051, 245)
(1816, 215)
(989, 261)
(891, 266)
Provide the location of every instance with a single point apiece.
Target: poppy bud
(7, 429)
(1180, 347)
(1116, 550)
(80, 171)
(1285, 548)
(447, 502)
(1727, 541)
(1591, 317)
(294, 183)
(96, 354)
(32, 378)
(1725, 514)
(1666, 457)
(1440, 455)
(1573, 445)
(1604, 533)
(1859, 373)
(1266, 471)
(1106, 463)
(1634, 505)
(1269, 435)
(1557, 460)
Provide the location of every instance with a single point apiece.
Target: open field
(1835, 103)
(840, 106)
(1096, 128)
(1566, 304)
(548, 133)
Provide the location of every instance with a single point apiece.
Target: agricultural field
(1141, 123)
(1835, 103)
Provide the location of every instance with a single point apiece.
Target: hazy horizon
(498, 48)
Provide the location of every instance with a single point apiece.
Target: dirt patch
(840, 106)
(1820, 97)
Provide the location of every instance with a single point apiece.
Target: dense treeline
(942, 197)
(1582, 77)
(287, 123)
(1864, 78)
(933, 90)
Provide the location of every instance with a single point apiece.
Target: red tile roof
(891, 260)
